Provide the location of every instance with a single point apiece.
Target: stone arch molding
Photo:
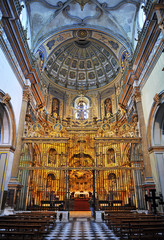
(155, 121)
(8, 125)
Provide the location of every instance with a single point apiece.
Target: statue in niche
(81, 107)
(52, 156)
(112, 185)
(112, 177)
(50, 180)
(108, 107)
(81, 110)
(110, 156)
(55, 107)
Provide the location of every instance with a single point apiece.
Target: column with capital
(149, 182)
(14, 185)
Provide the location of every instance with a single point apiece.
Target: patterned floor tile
(81, 229)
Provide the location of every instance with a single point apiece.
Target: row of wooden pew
(27, 225)
(133, 225)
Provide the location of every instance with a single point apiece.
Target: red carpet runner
(81, 205)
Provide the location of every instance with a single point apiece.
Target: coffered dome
(82, 62)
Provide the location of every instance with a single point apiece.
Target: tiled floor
(81, 227)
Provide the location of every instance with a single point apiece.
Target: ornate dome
(82, 62)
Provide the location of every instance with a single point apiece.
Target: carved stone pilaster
(139, 108)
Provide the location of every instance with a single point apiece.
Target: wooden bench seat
(30, 231)
(26, 225)
(46, 225)
(136, 226)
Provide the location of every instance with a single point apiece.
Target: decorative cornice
(144, 49)
(45, 140)
(156, 149)
(4, 148)
(8, 51)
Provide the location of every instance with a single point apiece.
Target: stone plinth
(62, 216)
(99, 216)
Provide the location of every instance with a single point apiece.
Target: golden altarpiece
(80, 155)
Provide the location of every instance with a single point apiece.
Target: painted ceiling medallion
(82, 33)
(82, 3)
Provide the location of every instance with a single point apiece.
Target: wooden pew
(135, 226)
(36, 225)
(21, 231)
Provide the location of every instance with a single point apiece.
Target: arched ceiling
(92, 60)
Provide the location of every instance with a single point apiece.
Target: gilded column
(146, 158)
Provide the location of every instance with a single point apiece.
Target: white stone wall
(9, 84)
(154, 84)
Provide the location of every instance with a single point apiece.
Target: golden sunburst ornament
(82, 3)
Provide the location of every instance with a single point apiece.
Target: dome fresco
(81, 43)
(82, 62)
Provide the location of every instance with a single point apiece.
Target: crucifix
(152, 199)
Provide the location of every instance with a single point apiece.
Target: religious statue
(110, 156)
(55, 107)
(81, 110)
(50, 179)
(108, 107)
(52, 156)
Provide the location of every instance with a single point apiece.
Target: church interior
(82, 106)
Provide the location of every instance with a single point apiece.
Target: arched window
(55, 107)
(108, 106)
(141, 16)
(7, 125)
(163, 132)
(159, 126)
(156, 140)
(81, 108)
(52, 156)
(110, 156)
(23, 15)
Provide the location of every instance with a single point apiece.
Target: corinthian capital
(6, 98)
(156, 98)
(26, 94)
(137, 94)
